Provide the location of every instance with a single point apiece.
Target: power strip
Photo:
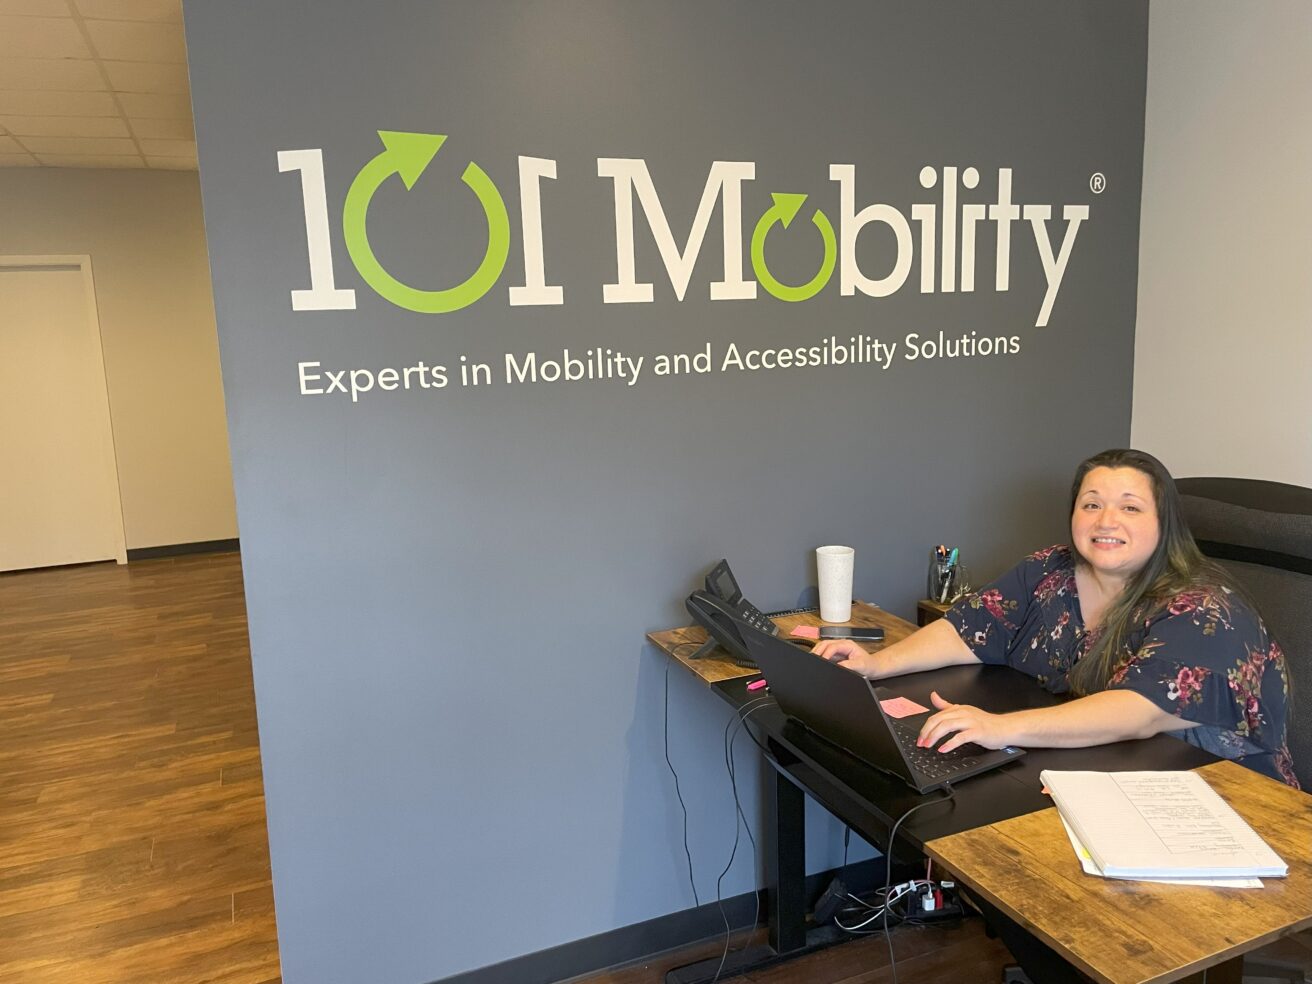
(944, 902)
(949, 910)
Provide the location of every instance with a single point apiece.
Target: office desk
(871, 801)
(1123, 932)
(719, 666)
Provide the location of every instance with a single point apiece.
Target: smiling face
(1114, 526)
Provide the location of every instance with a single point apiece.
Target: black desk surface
(871, 800)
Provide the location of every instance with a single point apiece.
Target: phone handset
(721, 622)
(721, 607)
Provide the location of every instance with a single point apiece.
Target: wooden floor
(132, 835)
(959, 954)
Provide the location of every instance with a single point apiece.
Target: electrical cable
(888, 870)
(740, 822)
(876, 912)
(756, 703)
(677, 792)
(861, 909)
(897, 892)
(733, 772)
(739, 816)
(737, 821)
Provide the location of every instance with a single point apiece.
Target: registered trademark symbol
(1098, 183)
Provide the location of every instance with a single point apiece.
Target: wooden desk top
(719, 665)
(1126, 932)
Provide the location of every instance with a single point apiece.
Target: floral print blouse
(1205, 657)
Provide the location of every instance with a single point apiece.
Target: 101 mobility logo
(946, 234)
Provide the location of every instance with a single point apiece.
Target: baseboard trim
(181, 549)
(627, 944)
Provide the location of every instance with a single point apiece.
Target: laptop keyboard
(934, 765)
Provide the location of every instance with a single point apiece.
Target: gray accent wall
(461, 724)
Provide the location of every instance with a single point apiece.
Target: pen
(947, 577)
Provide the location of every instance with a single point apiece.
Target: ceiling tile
(90, 160)
(57, 104)
(34, 8)
(41, 37)
(125, 76)
(17, 160)
(160, 129)
(156, 107)
(50, 73)
(79, 145)
(65, 126)
(172, 163)
(138, 41)
(163, 11)
(8, 145)
(168, 148)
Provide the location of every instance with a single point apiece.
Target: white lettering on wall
(948, 230)
(725, 180)
(324, 294)
(850, 277)
(1053, 269)
(535, 290)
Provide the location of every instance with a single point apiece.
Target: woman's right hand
(851, 655)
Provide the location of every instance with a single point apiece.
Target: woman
(1131, 618)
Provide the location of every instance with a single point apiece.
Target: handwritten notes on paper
(1159, 825)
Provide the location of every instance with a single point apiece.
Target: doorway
(59, 491)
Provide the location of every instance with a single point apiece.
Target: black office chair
(1262, 533)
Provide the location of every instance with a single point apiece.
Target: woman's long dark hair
(1176, 565)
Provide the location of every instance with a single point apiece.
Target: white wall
(1223, 355)
(144, 233)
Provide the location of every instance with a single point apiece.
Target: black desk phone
(721, 606)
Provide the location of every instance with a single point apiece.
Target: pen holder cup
(947, 582)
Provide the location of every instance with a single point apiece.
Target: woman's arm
(928, 648)
(1111, 715)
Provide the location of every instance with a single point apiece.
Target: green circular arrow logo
(407, 155)
(785, 210)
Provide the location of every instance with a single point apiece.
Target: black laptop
(844, 708)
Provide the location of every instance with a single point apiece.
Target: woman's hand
(852, 656)
(969, 724)
(937, 644)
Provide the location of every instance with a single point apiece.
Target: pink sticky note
(900, 707)
(806, 632)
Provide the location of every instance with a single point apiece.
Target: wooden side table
(1128, 932)
(929, 611)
